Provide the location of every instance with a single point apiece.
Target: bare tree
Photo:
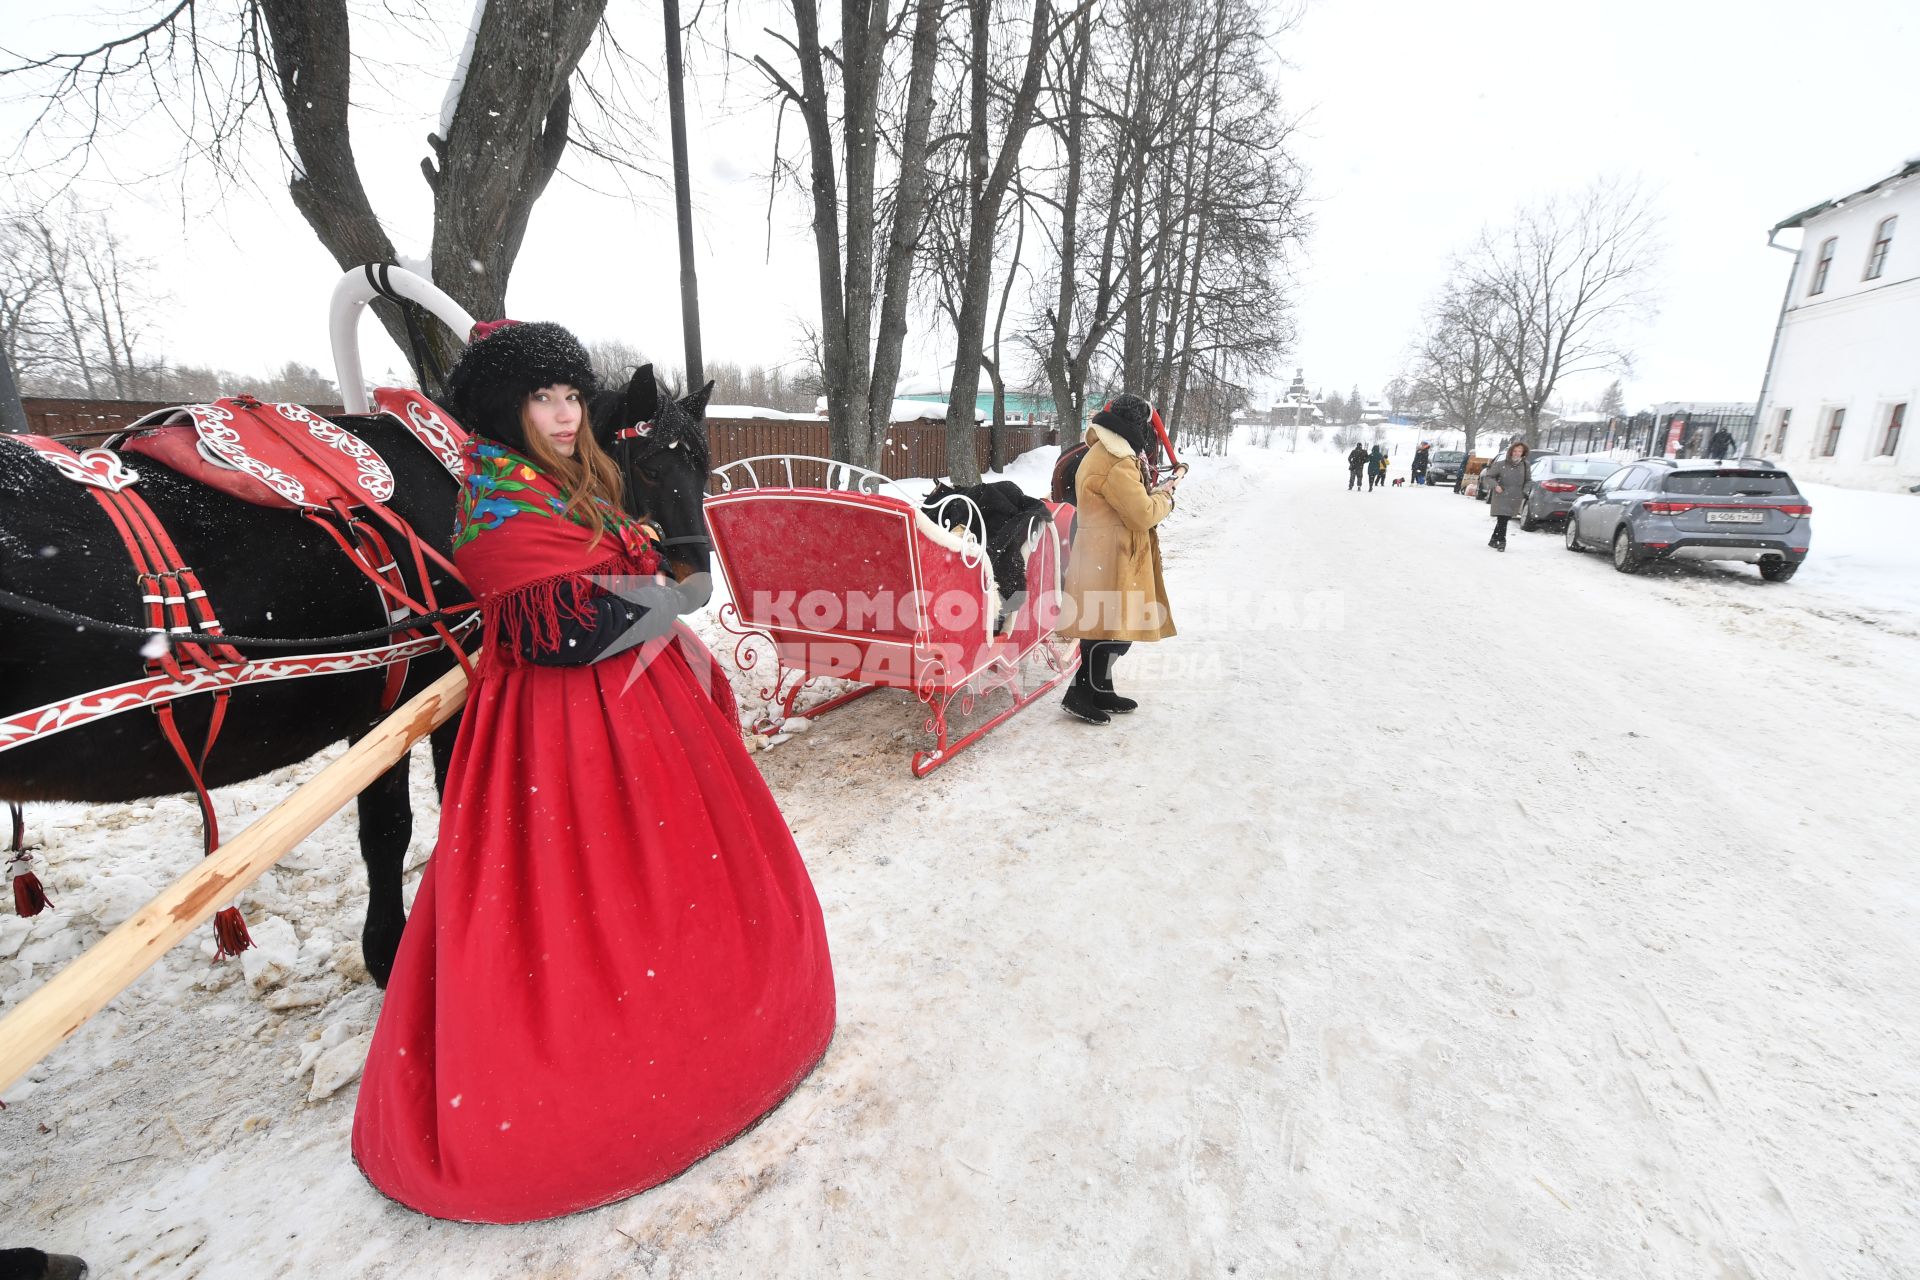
(1456, 366)
(286, 66)
(1174, 146)
(26, 336)
(1561, 286)
(858, 367)
(74, 308)
(988, 178)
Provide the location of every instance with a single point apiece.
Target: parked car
(1443, 465)
(1696, 509)
(1556, 483)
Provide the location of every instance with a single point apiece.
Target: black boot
(1100, 682)
(1080, 701)
(32, 1264)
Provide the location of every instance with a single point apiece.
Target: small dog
(1398, 481)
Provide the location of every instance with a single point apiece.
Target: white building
(1843, 380)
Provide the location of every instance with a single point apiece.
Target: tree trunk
(826, 239)
(962, 453)
(508, 131)
(496, 161)
(909, 213)
(313, 60)
(863, 62)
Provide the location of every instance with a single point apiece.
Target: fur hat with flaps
(494, 377)
(1130, 418)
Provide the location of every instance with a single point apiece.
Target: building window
(1882, 241)
(1890, 443)
(1779, 444)
(1823, 265)
(1834, 424)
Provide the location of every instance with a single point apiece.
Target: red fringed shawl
(544, 571)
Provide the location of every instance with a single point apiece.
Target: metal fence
(1649, 435)
(911, 448)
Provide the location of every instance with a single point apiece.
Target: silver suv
(1667, 509)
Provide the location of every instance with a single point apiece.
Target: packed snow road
(1441, 913)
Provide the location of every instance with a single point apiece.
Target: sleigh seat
(845, 578)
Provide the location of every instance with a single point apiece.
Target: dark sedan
(1556, 483)
(1443, 466)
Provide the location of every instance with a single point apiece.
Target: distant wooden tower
(1297, 407)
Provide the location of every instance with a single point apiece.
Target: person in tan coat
(1115, 592)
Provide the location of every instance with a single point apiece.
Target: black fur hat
(1129, 417)
(495, 375)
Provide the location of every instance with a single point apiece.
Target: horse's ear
(696, 404)
(643, 397)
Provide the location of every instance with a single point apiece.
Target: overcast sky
(1422, 121)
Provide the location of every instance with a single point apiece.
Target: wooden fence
(912, 448)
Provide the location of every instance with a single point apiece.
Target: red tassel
(29, 895)
(230, 933)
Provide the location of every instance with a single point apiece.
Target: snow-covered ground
(1440, 914)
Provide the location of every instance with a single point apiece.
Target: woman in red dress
(616, 962)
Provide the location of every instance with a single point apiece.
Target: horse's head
(660, 446)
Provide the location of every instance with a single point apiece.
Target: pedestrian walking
(1721, 445)
(1422, 457)
(1507, 481)
(1377, 467)
(1356, 463)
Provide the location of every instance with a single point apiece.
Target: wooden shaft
(41, 1022)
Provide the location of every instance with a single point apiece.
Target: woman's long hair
(588, 475)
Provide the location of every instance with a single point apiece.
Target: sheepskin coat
(1115, 589)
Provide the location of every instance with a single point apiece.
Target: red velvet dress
(616, 962)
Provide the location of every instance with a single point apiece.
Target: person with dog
(616, 963)
(1507, 480)
(1115, 593)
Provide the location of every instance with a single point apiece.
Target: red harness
(277, 456)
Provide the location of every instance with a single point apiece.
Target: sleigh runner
(848, 579)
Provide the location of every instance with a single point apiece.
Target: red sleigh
(836, 571)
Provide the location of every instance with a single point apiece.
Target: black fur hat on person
(495, 375)
(1130, 418)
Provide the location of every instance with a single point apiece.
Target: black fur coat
(1011, 517)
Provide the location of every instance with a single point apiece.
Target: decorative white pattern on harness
(220, 444)
(441, 437)
(101, 468)
(372, 475)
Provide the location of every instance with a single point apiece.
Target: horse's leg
(386, 828)
(443, 739)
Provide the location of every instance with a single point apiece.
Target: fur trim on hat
(495, 375)
(1128, 416)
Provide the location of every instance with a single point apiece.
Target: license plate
(1736, 517)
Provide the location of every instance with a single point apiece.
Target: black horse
(1004, 520)
(271, 573)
